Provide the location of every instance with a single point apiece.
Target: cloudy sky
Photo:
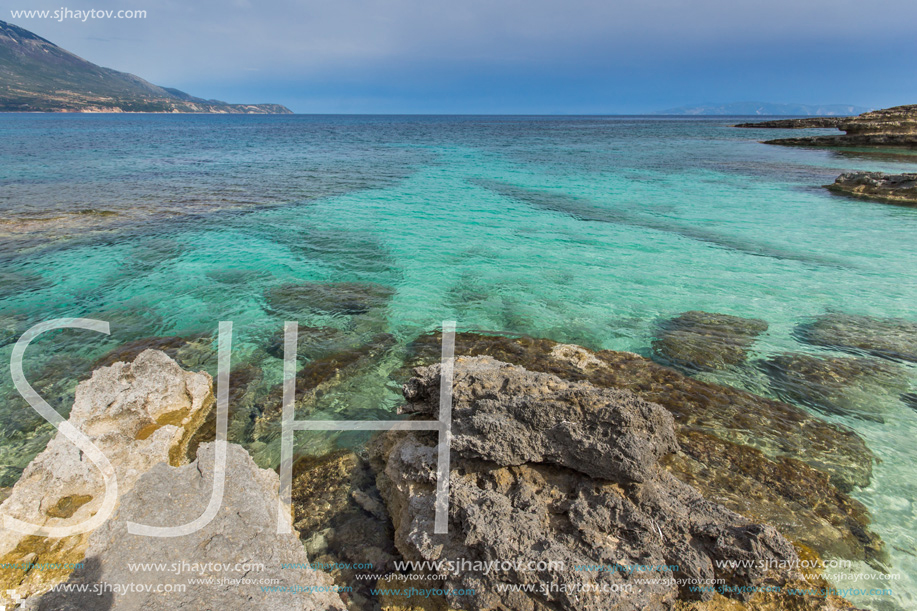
(504, 56)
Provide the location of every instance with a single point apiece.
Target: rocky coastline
(588, 458)
(805, 123)
(890, 127)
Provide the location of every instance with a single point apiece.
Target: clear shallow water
(585, 230)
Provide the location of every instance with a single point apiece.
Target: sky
(503, 56)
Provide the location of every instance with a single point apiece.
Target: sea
(589, 230)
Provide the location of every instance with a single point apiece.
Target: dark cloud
(507, 55)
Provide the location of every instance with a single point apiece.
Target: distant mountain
(765, 108)
(38, 76)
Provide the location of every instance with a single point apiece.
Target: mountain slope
(765, 108)
(37, 75)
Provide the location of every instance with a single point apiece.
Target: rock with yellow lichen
(138, 414)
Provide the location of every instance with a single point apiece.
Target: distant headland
(38, 76)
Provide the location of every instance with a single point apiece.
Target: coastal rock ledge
(551, 470)
(890, 188)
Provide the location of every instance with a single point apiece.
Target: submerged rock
(909, 399)
(313, 342)
(526, 488)
(191, 352)
(17, 283)
(835, 385)
(319, 377)
(138, 414)
(891, 188)
(240, 542)
(798, 500)
(892, 338)
(706, 341)
(343, 521)
(347, 298)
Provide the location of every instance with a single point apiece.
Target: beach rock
(776, 428)
(892, 338)
(835, 385)
(865, 140)
(138, 414)
(346, 298)
(706, 341)
(891, 188)
(240, 543)
(767, 440)
(246, 390)
(895, 120)
(557, 506)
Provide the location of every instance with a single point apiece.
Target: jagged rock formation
(526, 486)
(889, 127)
(241, 543)
(38, 76)
(761, 458)
(895, 120)
(706, 341)
(878, 186)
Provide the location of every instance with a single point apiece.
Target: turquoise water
(584, 230)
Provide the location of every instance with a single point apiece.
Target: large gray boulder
(532, 480)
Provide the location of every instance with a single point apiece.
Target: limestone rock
(138, 414)
(888, 127)
(240, 543)
(891, 188)
(776, 428)
(780, 464)
(510, 416)
(550, 506)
